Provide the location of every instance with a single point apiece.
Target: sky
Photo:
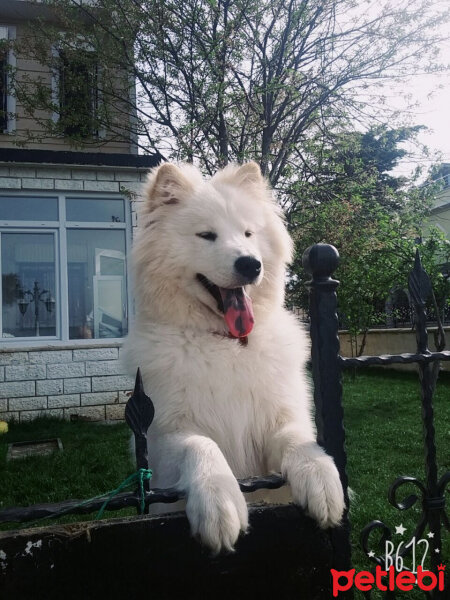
(432, 94)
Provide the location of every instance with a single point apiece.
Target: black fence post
(320, 261)
(434, 503)
(432, 494)
(139, 413)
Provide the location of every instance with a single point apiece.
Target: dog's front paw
(315, 483)
(217, 512)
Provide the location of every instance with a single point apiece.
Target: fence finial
(139, 414)
(321, 260)
(139, 411)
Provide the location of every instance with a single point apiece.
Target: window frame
(60, 228)
(67, 67)
(56, 235)
(10, 98)
(56, 52)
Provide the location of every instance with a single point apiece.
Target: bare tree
(222, 80)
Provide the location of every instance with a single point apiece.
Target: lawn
(95, 459)
(384, 440)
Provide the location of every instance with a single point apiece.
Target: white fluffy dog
(221, 358)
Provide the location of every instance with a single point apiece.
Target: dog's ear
(245, 176)
(167, 185)
(249, 174)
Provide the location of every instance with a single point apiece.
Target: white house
(66, 225)
(440, 214)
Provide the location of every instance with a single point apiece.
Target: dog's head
(209, 250)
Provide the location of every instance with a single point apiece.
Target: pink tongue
(238, 311)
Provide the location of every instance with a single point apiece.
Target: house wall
(441, 218)
(79, 379)
(67, 382)
(126, 180)
(440, 215)
(27, 127)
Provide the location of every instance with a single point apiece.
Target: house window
(63, 265)
(97, 283)
(78, 209)
(78, 93)
(13, 208)
(3, 90)
(4, 77)
(28, 284)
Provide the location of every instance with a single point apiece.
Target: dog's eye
(207, 235)
(248, 233)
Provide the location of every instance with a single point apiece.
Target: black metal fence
(331, 549)
(432, 491)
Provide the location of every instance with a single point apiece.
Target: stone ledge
(61, 345)
(89, 354)
(393, 330)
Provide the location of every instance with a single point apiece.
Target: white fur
(222, 410)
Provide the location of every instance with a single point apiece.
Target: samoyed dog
(221, 358)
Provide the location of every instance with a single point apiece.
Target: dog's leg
(310, 472)
(215, 506)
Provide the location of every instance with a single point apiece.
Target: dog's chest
(214, 386)
(230, 405)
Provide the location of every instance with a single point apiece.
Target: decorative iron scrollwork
(431, 494)
(409, 501)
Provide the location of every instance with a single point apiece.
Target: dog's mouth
(235, 305)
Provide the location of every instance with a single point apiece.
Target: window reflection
(95, 211)
(28, 285)
(16, 208)
(97, 284)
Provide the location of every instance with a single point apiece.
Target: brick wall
(75, 382)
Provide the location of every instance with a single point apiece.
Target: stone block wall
(85, 382)
(73, 178)
(392, 341)
(68, 383)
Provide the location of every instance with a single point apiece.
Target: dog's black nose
(248, 267)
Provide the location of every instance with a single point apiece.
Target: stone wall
(73, 178)
(392, 341)
(67, 382)
(76, 178)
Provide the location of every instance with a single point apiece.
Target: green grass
(95, 459)
(384, 440)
